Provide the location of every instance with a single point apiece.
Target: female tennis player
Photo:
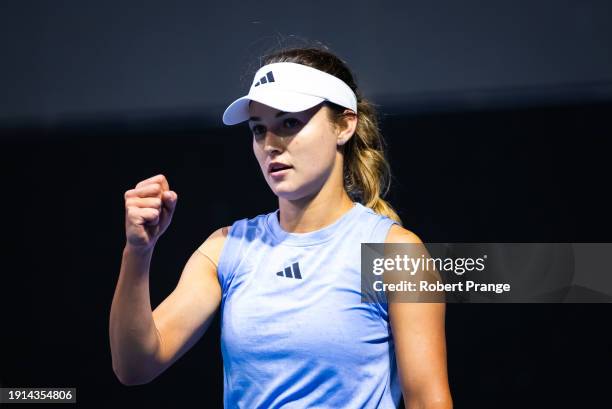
(294, 332)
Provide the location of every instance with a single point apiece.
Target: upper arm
(420, 344)
(183, 317)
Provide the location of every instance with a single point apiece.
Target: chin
(289, 191)
(289, 194)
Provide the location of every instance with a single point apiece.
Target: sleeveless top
(294, 332)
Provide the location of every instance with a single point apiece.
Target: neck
(313, 213)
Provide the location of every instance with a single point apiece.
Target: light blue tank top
(294, 332)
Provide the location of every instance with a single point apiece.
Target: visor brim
(287, 101)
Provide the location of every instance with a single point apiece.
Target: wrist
(138, 251)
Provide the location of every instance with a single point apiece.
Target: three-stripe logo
(267, 78)
(292, 271)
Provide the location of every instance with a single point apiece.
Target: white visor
(291, 87)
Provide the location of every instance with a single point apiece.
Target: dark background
(497, 119)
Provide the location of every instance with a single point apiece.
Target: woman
(294, 330)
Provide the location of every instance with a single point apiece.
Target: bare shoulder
(398, 234)
(213, 245)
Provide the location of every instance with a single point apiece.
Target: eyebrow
(256, 118)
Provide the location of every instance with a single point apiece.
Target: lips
(277, 167)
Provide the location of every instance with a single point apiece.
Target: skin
(309, 142)
(312, 145)
(420, 344)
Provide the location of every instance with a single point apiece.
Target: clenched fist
(148, 211)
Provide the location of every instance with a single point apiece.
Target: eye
(291, 123)
(258, 130)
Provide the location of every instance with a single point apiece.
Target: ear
(349, 126)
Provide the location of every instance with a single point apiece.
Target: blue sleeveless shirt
(294, 332)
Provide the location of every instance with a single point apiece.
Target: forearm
(424, 401)
(134, 339)
(429, 405)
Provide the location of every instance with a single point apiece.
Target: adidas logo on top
(291, 272)
(263, 80)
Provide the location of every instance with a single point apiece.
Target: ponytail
(367, 175)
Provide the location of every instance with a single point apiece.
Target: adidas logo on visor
(263, 80)
(291, 272)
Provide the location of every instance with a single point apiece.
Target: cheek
(316, 154)
(258, 152)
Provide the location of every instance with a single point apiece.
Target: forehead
(261, 110)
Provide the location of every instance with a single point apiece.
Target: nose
(273, 143)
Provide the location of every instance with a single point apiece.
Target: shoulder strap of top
(381, 229)
(231, 249)
(379, 235)
(241, 235)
